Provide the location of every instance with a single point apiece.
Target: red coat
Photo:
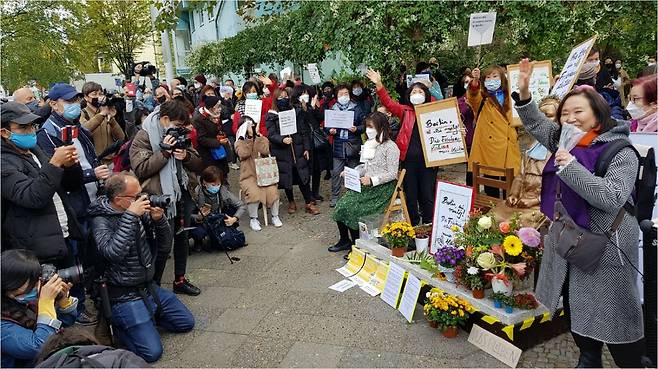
(267, 105)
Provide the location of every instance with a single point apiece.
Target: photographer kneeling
(130, 234)
(33, 309)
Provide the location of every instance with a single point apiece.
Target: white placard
(352, 179)
(314, 73)
(369, 289)
(441, 134)
(410, 297)
(338, 119)
(569, 74)
(481, 28)
(411, 79)
(540, 81)
(495, 346)
(342, 286)
(285, 73)
(288, 122)
(253, 108)
(452, 204)
(393, 285)
(129, 105)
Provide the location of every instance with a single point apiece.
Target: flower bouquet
(447, 258)
(398, 235)
(447, 311)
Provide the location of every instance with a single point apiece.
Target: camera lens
(71, 274)
(161, 201)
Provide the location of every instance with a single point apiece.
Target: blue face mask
(251, 96)
(26, 298)
(24, 141)
(33, 105)
(71, 111)
(492, 84)
(213, 189)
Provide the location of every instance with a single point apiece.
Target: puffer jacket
(128, 243)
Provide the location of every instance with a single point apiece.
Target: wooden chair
(398, 201)
(483, 201)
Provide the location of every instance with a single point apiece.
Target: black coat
(29, 216)
(207, 132)
(321, 157)
(128, 244)
(301, 141)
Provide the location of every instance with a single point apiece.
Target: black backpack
(645, 180)
(93, 356)
(223, 237)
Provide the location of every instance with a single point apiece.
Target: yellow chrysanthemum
(512, 245)
(454, 228)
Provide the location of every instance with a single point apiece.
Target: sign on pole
(481, 28)
(314, 73)
(452, 205)
(252, 109)
(571, 70)
(287, 122)
(441, 135)
(540, 82)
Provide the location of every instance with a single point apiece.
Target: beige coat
(248, 150)
(104, 131)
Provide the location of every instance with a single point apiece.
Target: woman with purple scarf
(604, 305)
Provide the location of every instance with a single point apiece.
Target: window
(191, 17)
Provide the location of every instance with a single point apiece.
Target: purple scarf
(575, 205)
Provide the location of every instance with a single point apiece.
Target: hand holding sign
(525, 71)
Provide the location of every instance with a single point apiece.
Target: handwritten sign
(252, 109)
(352, 180)
(286, 73)
(288, 122)
(481, 28)
(441, 133)
(338, 119)
(571, 70)
(540, 81)
(495, 346)
(452, 204)
(422, 78)
(314, 73)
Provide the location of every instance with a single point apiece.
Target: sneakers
(185, 287)
(234, 166)
(276, 221)
(86, 318)
(292, 207)
(254, 224)
(333, 203)
(340, 246)
(311, 209)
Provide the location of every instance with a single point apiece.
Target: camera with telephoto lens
(71, 274)
(160, 201)
(181, 140)
(111, 101)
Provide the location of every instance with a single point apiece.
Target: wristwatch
(55, 323)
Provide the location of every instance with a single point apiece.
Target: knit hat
(210, 101)
(200, 78)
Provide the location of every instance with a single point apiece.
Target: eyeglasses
(636, 99)
(133, 197)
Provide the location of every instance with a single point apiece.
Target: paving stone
(307, 355)
(260, 352)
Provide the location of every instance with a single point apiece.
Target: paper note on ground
(394, 279)
(410, 297)
(495, 346)
(342, 286)
(379, 279)
(352, 179)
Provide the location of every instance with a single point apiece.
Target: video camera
(111, 101)
(71, 274)
(148, 69)
(182, 141)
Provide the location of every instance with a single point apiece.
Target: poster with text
(571, 69)
(338, 119)
(288, 122)
(540, 81)
(314, 73)
(441, 133)
(252, 109)
(452, 205)
(481, 28)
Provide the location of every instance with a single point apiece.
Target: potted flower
(498, 299)
(525, 301)
(475, 282)
(398, 235)
(452, 311)
(447, 258)
(432, 314)
(509, 302)
(422, 237)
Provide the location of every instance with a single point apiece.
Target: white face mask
(304, 99)
(371, 133)
(343, 100)
(618, 65)
(197, 85)
(635, 111)
(417, 98)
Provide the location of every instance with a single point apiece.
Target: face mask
(161, 99)
(251, 96)
(266, 92)
(465, 86)
(417, 98)
(343, 100)
(357, 91)
(71, 111)
(24, 141)
(283, 103)
(213, 189)
(618, 65)
(371, 133)
(635, 111)
(492, 85)
(304, 99)
(197, 85)
(33, 105)
(95, 102)
(26, 298)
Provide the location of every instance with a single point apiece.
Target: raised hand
(525, 71)
(476, 73)
(375, 77)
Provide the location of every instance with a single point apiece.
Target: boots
(292, 207)
(311, 209)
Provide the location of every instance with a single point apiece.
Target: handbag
(267, 171)
(352, 149)
(320, 139)
(218, 153)
(579, 246)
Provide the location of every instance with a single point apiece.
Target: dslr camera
(111, 101)
(160, 201)
(182, 141)
(71, 274)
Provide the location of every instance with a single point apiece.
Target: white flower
(484, 222)
(486, 260)
(473, 270)
(427, 295)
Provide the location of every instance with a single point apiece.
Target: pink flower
(504, 227)
(498, 250)
(519, 268)
(529, 236)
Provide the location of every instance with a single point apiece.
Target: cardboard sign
(423, 78)
(441, 133)
(338, 119)
(571, 70)
(314, 73)
(288, 122)
(352, 179)
(540, 81)
(286, 73)
(452, 205)
(481, 28)
(495, 346)
(252, 109)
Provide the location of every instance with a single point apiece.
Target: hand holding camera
(140, 206)
(64, 156)
(53, 288)
(156, 213)
(102, 172)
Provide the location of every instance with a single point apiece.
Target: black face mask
(161, 99)
(95, 102)
(283, 103)
(328, 95)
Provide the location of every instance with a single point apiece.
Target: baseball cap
(16, 112)
(63, 91)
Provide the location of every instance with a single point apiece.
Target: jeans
(135, 328)
(419, 185)
(336, 179)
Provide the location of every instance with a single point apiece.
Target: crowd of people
(99, 188)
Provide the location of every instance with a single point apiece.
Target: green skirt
(354, 205)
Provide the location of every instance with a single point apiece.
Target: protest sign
(352, 180)
(410, 297)
(338, 119)
(571, 70)
(393, 286)
(495, 346)
(252, 109)
(314, 73)
(423, 78)
(440, 127)
(288, 122)
(481, 28)
(452, 205)
(540, 81)
(286, 73)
